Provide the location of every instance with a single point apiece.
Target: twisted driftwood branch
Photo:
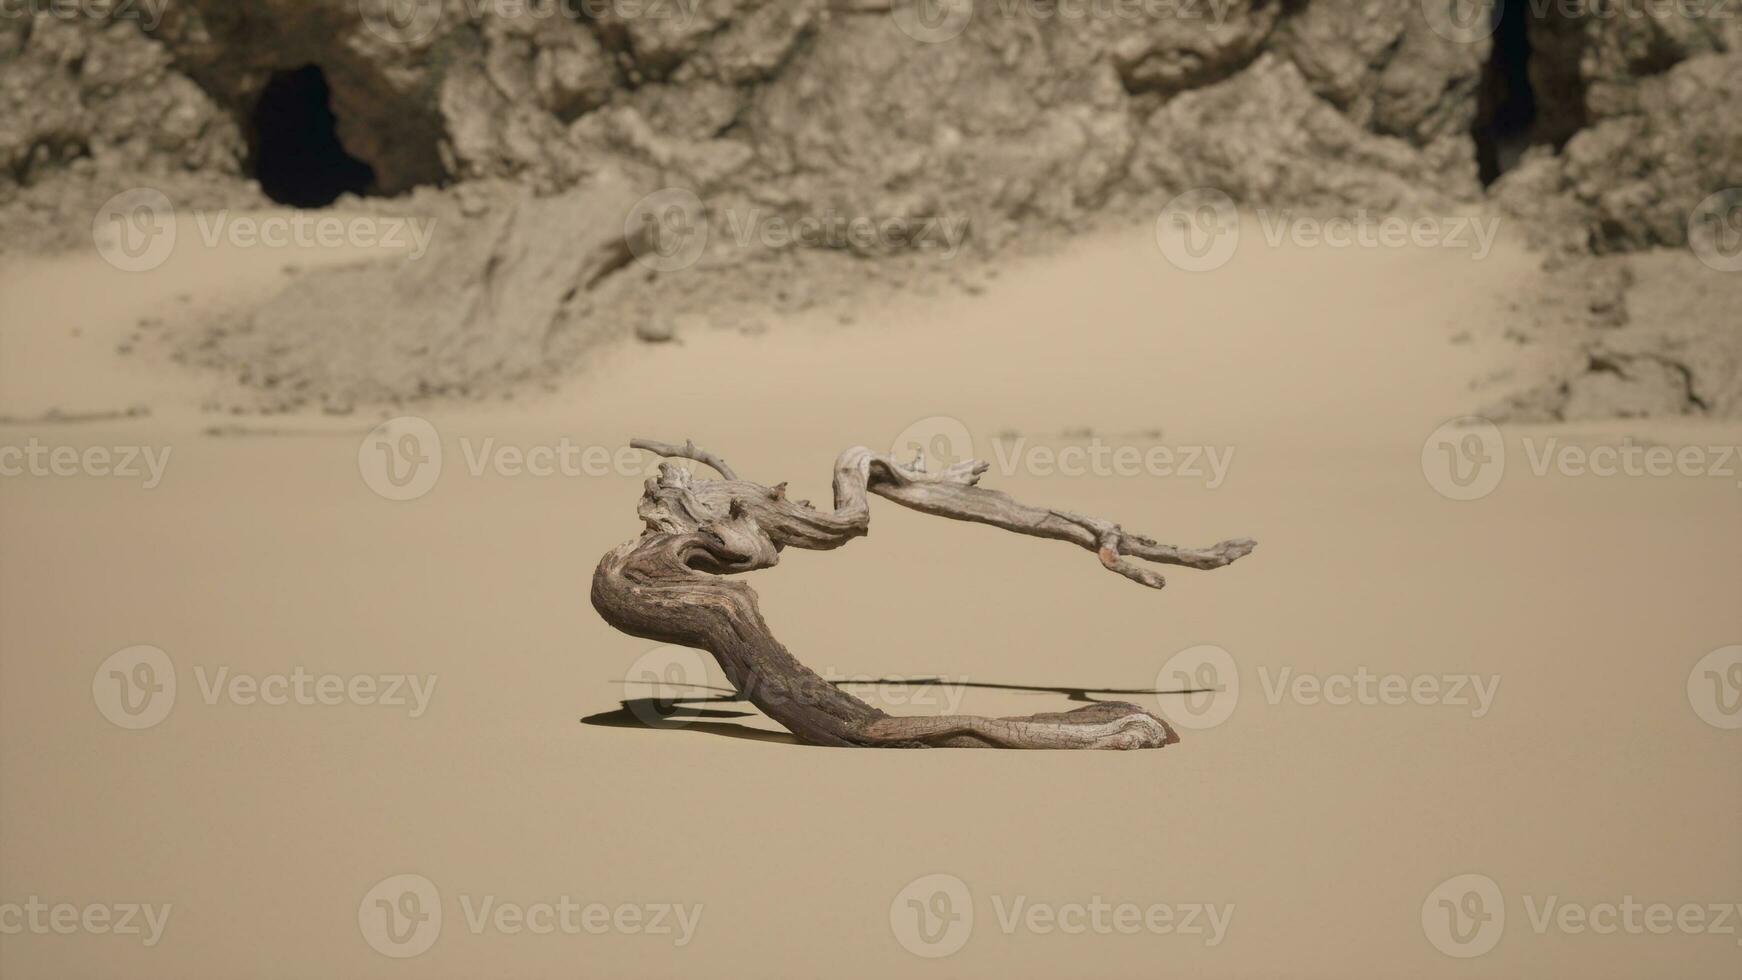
(670, 585)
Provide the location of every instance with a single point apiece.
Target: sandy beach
(1547, 633)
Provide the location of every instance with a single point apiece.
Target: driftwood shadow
(694, 714)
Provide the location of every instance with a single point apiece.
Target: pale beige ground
(1325, 826)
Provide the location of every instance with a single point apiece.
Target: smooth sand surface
(1590, 779)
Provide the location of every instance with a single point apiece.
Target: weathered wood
(671, 585)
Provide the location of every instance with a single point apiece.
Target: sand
(1590, 777)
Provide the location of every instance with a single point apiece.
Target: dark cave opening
(298, 158)
(1506, 113)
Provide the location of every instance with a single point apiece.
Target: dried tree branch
(670, 585)
(688, 450)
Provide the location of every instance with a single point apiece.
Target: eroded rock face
(1640, 176)
(76, 96)
(1646, 105)
(1382, 65)
(992, 125)
(775, 112)
(1198, 44)
(88, 109)
(383, 92)
(1635, 180)
(1601, 57)
(1262, 136)
(1023, 116)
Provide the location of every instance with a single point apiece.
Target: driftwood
(670, 585)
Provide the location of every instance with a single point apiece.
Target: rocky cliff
(1603, 125)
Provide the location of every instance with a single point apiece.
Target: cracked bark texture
(672, 585)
